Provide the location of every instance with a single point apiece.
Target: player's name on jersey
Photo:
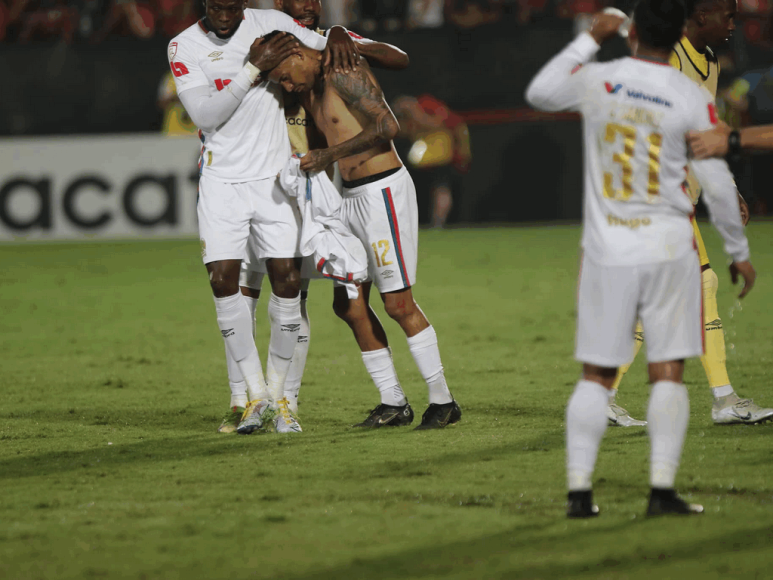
(633, 223)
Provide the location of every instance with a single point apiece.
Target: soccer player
(723, 140)
(709, 22)
(639, 260)
(302, 133)
(379, 206)
(241, 208)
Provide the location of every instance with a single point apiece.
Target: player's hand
(316, 160)
(744, 207)
(711, 143)
(746, 270)
(341, 52)
(605, 26)
(269, 54)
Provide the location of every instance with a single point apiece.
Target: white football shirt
(636, 114)
(252, 143)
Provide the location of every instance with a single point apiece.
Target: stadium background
(94, 68)
(112, 368)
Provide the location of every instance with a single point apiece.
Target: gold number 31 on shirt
(628, 132)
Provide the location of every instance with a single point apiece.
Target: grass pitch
(114, 383)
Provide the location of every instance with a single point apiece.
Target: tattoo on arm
(361, 94)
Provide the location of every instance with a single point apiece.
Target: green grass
(113, 383)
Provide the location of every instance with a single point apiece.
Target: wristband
(252, 71)
(734, 144)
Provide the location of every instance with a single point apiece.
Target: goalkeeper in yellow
(709, 22)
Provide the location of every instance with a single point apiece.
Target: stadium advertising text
(107, 187)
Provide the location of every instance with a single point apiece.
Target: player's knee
(400, 309)
(223, 284)
(710, 282)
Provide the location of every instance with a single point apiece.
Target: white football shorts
(252, 220)
(384, 216)
(665, 296)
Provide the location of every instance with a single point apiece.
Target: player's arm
(345, 47)
(360, 94)
(556, 86)
(720, 140)
(210, 111)
(720, 195)
(285, 23)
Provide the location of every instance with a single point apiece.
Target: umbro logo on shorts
(715, 324)
(290, 327)
(388, 273)
(227, 332)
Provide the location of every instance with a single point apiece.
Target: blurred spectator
(425, 14)
(387, 15)
(440, 150)
(5, 20)
(472, 13)
(176, 121)
(38, 19)
(176, 15)
(127, 18)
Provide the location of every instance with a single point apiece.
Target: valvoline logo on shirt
(612, 90)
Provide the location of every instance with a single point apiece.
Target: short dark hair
(659, 23)
(273, 33)
(692, 6)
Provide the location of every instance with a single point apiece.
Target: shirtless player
(379, 206)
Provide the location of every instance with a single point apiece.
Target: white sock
(236, 382)
(285, 317)
(382, 370)
(425, 352)
(233, 318)
(723, 391)
(667, 416)
(298, 364)
(586, 422)
(612, 395)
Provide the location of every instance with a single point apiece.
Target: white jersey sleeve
(559, 84)
(285, 23)
(185, 66)
(719, 189)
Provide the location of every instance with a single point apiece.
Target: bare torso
(339, 122)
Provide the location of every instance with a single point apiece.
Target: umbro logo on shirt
(612, 90)
(215, 56)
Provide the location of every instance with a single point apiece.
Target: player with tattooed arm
(379, 206)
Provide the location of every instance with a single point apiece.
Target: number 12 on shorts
(385, 245)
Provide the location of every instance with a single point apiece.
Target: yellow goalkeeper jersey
(703, 68)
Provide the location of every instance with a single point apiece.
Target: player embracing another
(379, 207)
(639, 258)
(241, 208)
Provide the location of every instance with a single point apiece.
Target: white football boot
(619, 417)
(732, 410)
(285, 420)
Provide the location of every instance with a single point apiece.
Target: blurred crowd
(97, 20)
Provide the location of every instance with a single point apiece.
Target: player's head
(299, 72)
(657, 24)
(304, 11)
(713, 19)
(223, 17)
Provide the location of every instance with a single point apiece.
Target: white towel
(338, 254)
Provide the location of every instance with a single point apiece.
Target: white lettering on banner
(98, 187)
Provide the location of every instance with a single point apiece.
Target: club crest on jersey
(172, 50)
(612, 90)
